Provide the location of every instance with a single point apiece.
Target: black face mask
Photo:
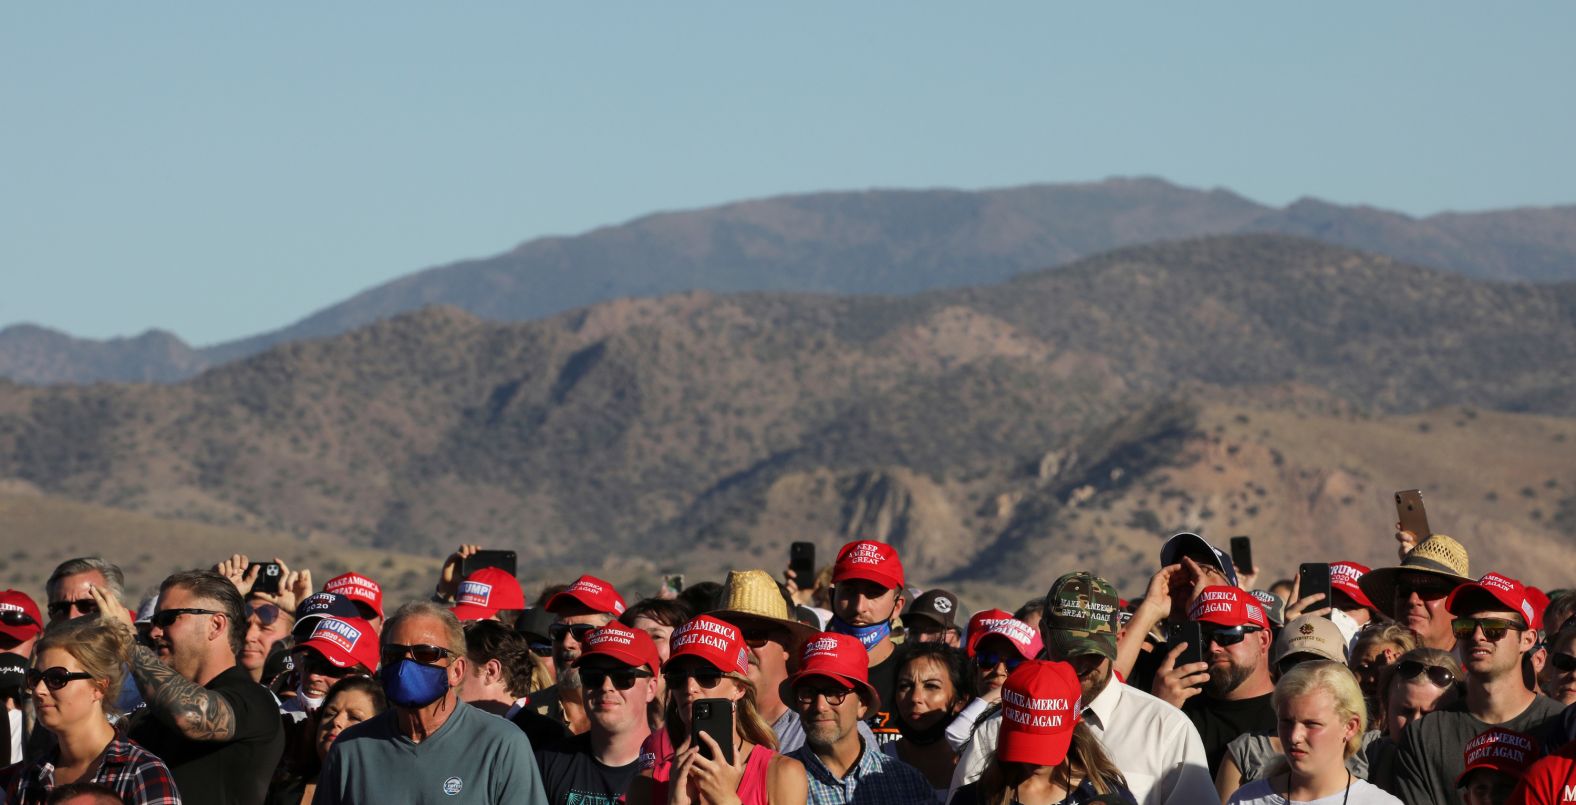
(927, 735)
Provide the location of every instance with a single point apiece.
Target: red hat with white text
(357, 588)
(838, 657)
(871, 561)
(486, 592)
(592, 593)
(1228, 606)
(1509, 592)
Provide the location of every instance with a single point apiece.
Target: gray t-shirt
(1259, 792)
(475, 758)
(1431, 751)
(1255, 753)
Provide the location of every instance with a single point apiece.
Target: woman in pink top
(708, 660)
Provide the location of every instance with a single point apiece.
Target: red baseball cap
(591, 592)
(1040, 705)
(1504, 589)
(1344, 577)
(838, 657)
(485, 592)
(715, 641)
(1228, 606)
(871, 561)
(1540, 604)
(631, 647)
(1025, 639)
(357, 587)
(19, 615)
(345, 642)
(1500, 750)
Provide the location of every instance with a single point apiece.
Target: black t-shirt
(1219, 721)
(541, 730)
(233, 772)
(573, 776)
(883, 677)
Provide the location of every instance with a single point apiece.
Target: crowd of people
(1416, 683)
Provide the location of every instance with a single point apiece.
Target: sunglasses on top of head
(1441, 676)
(1494, 629)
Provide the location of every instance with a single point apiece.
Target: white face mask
(311, 702)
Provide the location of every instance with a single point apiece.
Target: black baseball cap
(938, 606)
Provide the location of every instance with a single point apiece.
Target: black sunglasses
(62, 609)
(706, 678)
(581, 631)
(54, 678)
(990, 659)
(164, 617)
(11, 617)
(805, 695)
(623, 678)
(266, 613)
(1562, 661)
(421, 652)
(1439, 675)
(317, 665)
(1231, 636)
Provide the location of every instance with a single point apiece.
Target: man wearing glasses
(619, 668)
(428, 747)
(1227, 694)
(832, 693)
(1495, 623)
(586, 605)
(1413, 594)
(217, 730)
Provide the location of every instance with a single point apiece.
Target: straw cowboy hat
(1438, 555)
(752, 596)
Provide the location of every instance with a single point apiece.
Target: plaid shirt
(134, 773)
(875, 779)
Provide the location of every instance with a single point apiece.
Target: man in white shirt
(1153, 743)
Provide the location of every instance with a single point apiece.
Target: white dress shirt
(1153, 743)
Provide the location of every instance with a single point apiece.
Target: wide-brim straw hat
(752, 595)
(1438, 555)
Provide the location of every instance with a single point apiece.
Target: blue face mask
(869, 636)
(411, 685)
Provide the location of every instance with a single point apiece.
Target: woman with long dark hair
(934, 682)
(349, 701)
(1045, 755)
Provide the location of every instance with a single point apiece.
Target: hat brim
(800, 631)
(472, 612)
(867, 692)
(629, 658)
(24, 631)
(331, 652)
(1033, 748)
(303, 627)
(886, 580)
(1075, 643)
(1379, 585)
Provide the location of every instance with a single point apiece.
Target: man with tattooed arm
(217, 730)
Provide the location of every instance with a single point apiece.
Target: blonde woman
(75, 679)
(1319, 707)
(708, 660)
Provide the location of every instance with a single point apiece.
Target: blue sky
(222, 169)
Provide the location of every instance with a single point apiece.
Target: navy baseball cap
(317, 607)
(1199, 550)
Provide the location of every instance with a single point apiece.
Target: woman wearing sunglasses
(998, 643)
(351, 700)
(1045, 754)
(1561, 669)
(1420, 681)
(1320, 713)
(75, 677)
(708, 660)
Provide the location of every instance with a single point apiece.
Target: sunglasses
(1228, 637)
(1441, 677)
(421, 652)
(990, 659)
(805, 695)
(62, 609)
(1562, 661)
(1426, 589)
(1494, 629)
(541, 649)
(165, 617)
(11, 617)
(54, 678)
(758, 637)
(623, 678)
(318, 665)
(706, 678)
(266, 613)
(581, 631)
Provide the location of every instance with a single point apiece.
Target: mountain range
(1258, 384)
(874, 242)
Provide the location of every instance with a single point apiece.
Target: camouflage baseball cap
(1080, 617)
